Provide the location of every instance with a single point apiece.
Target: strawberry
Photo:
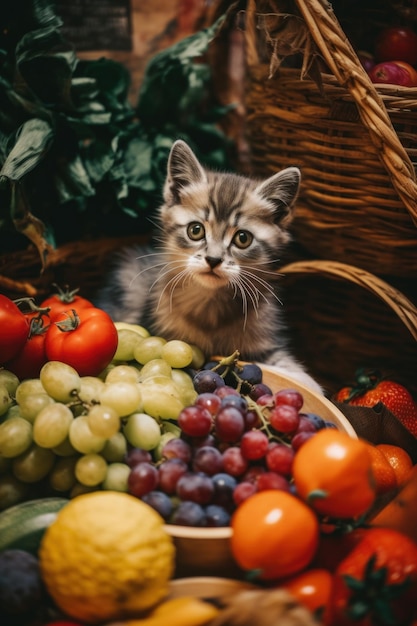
(376, 583)
(370, 389)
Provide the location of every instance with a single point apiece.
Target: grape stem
(272, 435)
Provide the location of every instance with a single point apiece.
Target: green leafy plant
(76, 158)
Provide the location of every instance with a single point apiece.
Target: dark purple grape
(207, 459)
(21, 588)
(237, 401)
(318, 421)
(224, 486)
(251, 373)
(328, 424)
(258, 390)
(160, 502)
(134, 456)
(177, 448)
(197, 487)
(142, 479)
(170, 471)
(206, 381)
(189, 513)
(216, 516)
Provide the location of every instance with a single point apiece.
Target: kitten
(212, 281)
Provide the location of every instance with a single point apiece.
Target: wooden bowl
(206, 551)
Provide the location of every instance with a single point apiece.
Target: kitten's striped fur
(212, 280)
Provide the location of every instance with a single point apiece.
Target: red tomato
(333, 473)
(274, 534)
(377, 579)
(312, 588)
(14, 329)
(28, 362)
(396, 43)
(86, 340)
(64, 301)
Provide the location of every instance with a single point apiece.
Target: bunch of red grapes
(237, 438)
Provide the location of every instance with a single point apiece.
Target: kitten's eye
(196, 231)
(243, 239)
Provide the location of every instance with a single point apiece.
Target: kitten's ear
(282, 190)
(183, 169)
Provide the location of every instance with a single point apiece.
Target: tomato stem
(71, 322)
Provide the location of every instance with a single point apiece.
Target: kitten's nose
(213, 261)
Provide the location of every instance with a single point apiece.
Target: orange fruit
(384, 474)
(399, 459)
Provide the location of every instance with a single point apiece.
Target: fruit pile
(393, 59)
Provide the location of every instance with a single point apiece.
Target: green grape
(155, 367)
(62, 476)
(124, 373)
(14, 411)
(177, 353)
(142, 431)
(52, 424)
(116, 477)
(31, 404)
(16, 436)
(60, 381)
(128, 340)
(81, 437)
(5, 464)
(199, 358)
(123, 397)
(79, 490)
(34, 464)
(28, 387)
(10, 381)
(170, 427)
(137, 328)
(103, 421)
(184, 385)
(90, 389)
(115, 448)
(65, 448)
(160, 384)
(91, 469)
(148, 349)
(5, 400)
(157, 452)
(160, 404)
(12, 491)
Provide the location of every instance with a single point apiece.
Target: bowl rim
(198, 532)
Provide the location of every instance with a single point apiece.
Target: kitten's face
(223, 229)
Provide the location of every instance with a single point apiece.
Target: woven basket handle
(347, 68)
(343, 62)
(397, 301)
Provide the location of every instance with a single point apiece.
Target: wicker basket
(342, 317)
(78, 264)
(356, 144)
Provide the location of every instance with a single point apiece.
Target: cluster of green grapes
(66, 434)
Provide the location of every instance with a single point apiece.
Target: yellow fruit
(106, 556)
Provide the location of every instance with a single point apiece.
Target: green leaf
(33, 140)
